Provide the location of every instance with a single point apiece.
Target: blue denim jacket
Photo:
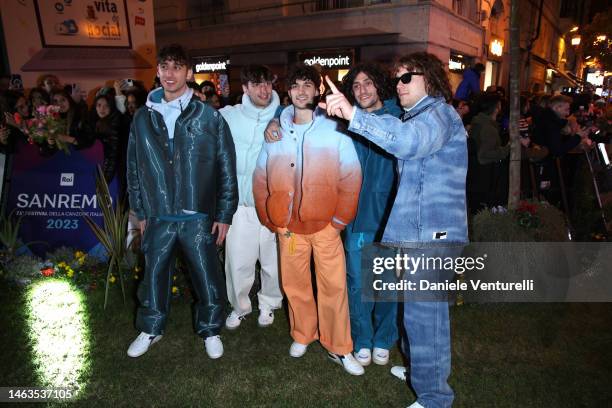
(431, 148)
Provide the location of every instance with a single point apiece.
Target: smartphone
(16, 83)
(223, 81)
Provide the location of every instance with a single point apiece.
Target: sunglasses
(405, 78)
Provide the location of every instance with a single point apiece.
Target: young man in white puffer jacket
(248, 240)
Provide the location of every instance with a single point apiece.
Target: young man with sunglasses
(428, 218)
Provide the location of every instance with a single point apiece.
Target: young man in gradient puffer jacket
(306, 188)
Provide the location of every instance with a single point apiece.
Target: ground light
(59, 333)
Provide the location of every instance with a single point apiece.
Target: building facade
(335, 34)
(224, 35)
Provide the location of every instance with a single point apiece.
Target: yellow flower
(174, 278)
(136, 277)
(79, 254)
(62, 264)
(112, 279)
(137, 268)
(174, 290)
(70, 273)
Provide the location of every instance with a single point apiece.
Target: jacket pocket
(279, 206)
(318, 203)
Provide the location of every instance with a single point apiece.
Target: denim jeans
(382, 331)
(427, 329)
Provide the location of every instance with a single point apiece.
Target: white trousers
(248, 241)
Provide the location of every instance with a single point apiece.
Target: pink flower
(42, 109)
(53, 109)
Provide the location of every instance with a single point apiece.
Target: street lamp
(576, 40)
(497, 47)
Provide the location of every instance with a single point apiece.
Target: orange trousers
(327, 319)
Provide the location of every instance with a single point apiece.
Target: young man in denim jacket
(429, 217)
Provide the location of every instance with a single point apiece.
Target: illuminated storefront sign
(456, 62)
(340, 59)
(211, 64)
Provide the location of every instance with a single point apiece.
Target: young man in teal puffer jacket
(373, 324)
(182, 186)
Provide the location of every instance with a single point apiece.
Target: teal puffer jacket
(196, 171)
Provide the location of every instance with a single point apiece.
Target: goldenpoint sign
(339, 61)
(212, 64)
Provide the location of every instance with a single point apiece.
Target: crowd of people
(107, 119)
(555, 130)
(381, 159)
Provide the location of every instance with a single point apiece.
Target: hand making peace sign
(336, 103)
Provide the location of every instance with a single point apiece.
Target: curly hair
(436, 79)
(303, 72)
(373, 71)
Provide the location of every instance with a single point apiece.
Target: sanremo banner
(51, 194)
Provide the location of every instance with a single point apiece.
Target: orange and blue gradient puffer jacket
(305, 184)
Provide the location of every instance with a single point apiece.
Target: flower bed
(531, 221)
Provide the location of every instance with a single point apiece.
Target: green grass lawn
(504, 355)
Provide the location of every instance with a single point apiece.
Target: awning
(77, 59)
(566, 77)
(563, 75)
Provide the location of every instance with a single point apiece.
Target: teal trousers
(161, 241)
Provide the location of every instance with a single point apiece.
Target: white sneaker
(415, 405)
(142, 343)
(266, 317)
(297, 350)
(399, 372)
(348, 362)
(233, 320)
(364, 356)
(380, 356)
(214, 346)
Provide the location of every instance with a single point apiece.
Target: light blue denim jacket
(431, 148)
